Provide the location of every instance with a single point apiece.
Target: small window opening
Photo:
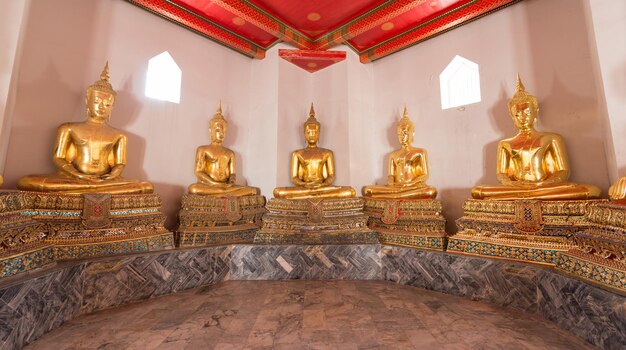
(164, 78)
(459, 83)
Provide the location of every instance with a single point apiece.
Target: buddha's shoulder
(549, 136)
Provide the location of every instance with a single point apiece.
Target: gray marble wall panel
(116, 281)
(594, 314)
(312, 262)
(33, 304)
(495, 281)
(32, 307)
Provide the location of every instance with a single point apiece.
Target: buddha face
(99, 105)
(405, 134)
(218, 131)
(524, 115)
(311, 133)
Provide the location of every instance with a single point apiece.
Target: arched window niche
(164, 78)
(459, 83)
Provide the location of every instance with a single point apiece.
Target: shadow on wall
(52, 52)
(560, 68)
(171, 195)
(125, 112)
(502, 122)
(32, 141)
(451, 209)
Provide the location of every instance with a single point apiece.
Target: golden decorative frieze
(315, 221)
(206, 220)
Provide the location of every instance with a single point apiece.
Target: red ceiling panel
(312, 60)
(405, 21)
(209, 10)
(315, 17)
(372, 28)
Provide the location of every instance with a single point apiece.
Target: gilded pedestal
(23, 245)
(315, 221)
(208, 220)
(523, 230)
(415, 223)
(600, 252)
(97, 224)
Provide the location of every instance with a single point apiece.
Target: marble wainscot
(315, 221)
(416, 223)
(23, 244)
(34, 303)
(600, 252)
(592, 313)
(210, 220)
(96, 224)
(523, 230)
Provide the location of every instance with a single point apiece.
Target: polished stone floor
(309, 315)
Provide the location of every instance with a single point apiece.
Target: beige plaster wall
(11, 29)
(547, 43)
(65, 45)
(609, 30)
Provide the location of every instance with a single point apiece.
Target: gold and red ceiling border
(441, 24)
(202, 26)
(265, 21)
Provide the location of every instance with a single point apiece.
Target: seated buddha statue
(408, 169)
(89, 155)
(532, 164)
(215, 165)
(313, 169)
(617, 191)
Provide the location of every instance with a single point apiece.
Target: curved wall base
(34, 303)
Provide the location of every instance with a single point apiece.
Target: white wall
(11, 29)
(65, 43)
(609, 28)
(547, 43)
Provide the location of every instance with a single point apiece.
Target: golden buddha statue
(617, 191)
(408, 169)
(90, 155)
(215, 165)
(532, 164)
(313, 169)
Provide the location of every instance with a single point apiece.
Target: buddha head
(218, 126)
(523, 107)
(100, 97)
(405, 129)
(312, 128)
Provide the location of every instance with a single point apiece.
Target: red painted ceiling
(372, 28)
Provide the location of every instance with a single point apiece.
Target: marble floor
(309, 315)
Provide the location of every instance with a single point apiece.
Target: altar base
(210, 220)
(523, 230)
(96, 224)
(23, 245)
(415, 223)
(315, 221)
(600, 252)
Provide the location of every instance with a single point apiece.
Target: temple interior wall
(551, 43)
(548, 43)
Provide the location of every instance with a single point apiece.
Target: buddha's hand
(115, 172)
(618, 190)
(312, 184)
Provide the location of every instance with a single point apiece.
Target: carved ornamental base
(23, 245)
(415, 223)
(96, 224)
(523, 230)
(600, 253)
(209, 220)
(315, 221)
